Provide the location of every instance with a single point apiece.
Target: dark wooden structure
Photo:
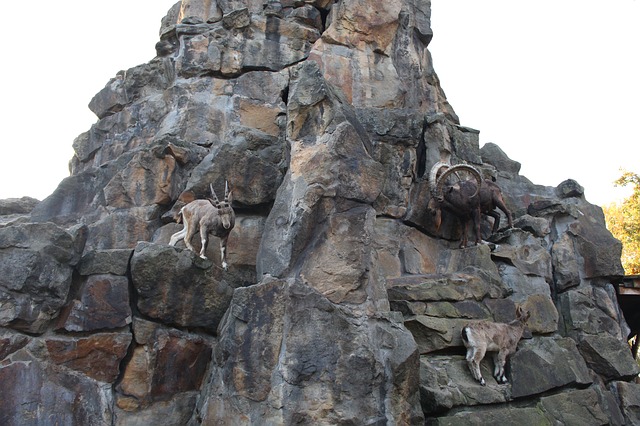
(629, 300)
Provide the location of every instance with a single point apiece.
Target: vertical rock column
(315, 340)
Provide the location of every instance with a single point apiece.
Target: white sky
(555, 83)
(56, 57)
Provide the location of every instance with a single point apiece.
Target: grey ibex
(211, 216)
(465, 199)
(480, 337)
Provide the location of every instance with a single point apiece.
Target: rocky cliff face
(342, 303)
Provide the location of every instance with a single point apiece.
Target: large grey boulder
(608, 356)
(271, 349)
(45, 389)
(629, 397)
(12, 206)
(36, 271)
(177, 287)
(546, 363)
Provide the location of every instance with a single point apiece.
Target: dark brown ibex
(465, 199)
(211, 216)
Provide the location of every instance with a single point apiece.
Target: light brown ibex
(210, 216)
(480, 337)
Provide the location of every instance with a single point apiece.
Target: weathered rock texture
(342, 304)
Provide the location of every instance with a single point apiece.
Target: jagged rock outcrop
(342, 304)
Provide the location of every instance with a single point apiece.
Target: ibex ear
(230, 198)
(522, 313)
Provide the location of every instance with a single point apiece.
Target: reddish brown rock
(98, 356)
(166, 362)
(103, 303)
(146, 180)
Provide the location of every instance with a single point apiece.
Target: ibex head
(225, 211)
(522, 315)
(435, 209)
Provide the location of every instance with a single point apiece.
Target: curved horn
(226, 190)
(453, 169)
(213, 194)
(433, 176)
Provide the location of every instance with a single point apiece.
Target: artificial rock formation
(342, 304)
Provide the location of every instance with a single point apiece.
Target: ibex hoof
(482, 382)
(225, 266)
(202, 256)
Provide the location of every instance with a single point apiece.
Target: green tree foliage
(623, 220)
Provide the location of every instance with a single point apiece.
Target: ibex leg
(178, 236)
(223, 251)
(499, 360)
(190, 231)
(474, 356)
(496, 220)
(475, 215)
(203, 240)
